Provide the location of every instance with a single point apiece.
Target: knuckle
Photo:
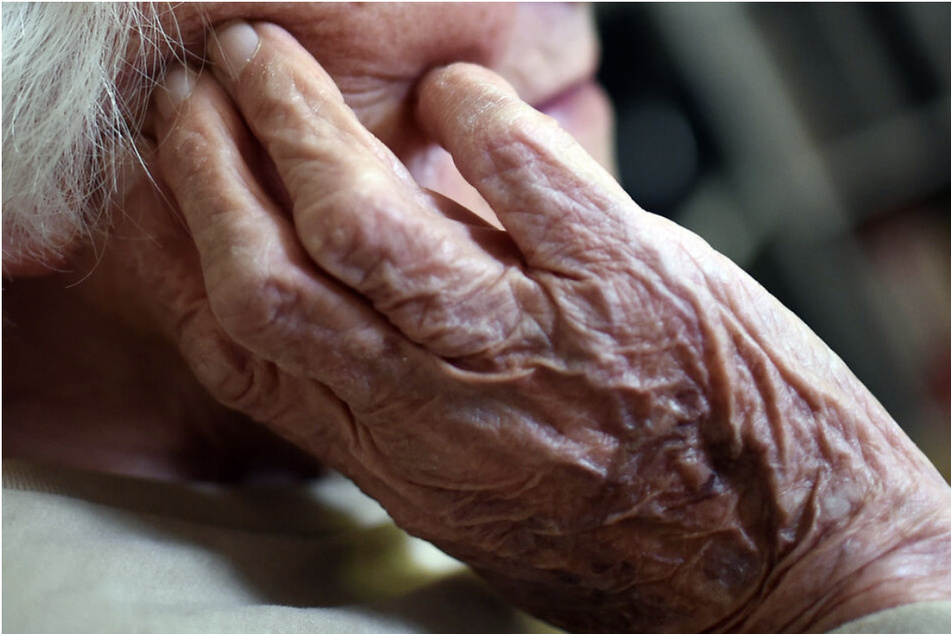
(513, 132)
(342, 229)
(251, 307)
(244, 383)
(231, 374)
(472, 320)
(183, 152)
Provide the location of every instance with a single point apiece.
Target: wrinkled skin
(607, 419)
(591, 407)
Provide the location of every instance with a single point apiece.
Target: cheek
(433, 168)
(378, 52)
(374, 51)
(403, 40)
(357, 42)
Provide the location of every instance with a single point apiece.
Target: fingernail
(179, 83)
(235, 44)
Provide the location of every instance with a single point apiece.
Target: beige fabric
(919, 618)
(102, 554)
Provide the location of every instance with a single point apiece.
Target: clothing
(918, 618)
(104, 554)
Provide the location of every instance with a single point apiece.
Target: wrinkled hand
(591, 407)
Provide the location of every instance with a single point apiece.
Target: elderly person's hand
(594, 409)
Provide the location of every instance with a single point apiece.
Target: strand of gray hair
(65, 124)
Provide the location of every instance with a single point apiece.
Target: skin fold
(604, 417)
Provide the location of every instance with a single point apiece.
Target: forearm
(858, 518)
(867, 517)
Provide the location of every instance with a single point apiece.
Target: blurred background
(812, 145)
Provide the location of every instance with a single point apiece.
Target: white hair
(65, 124)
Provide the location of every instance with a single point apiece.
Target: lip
(584, 111)
(564, 98)
(581, 109)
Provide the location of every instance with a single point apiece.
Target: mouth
(563, 98)
(584, 110)
(577, 108)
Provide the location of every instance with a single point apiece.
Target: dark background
(812, 145)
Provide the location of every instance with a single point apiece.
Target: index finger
(554, 199)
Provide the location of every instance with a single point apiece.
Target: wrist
(861, 521)
(898, 557)
(891, 547)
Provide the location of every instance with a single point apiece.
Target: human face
(376, 53)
